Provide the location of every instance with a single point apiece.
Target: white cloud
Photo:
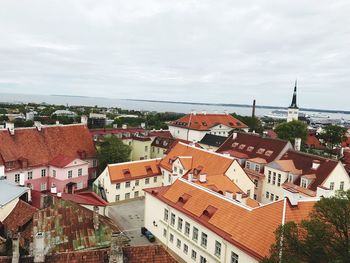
(216, 51)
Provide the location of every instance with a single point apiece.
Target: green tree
(333, 135)
(112, 150)
(254, 124)
(291, 130)
(324, 238)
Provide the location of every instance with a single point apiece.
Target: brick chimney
(95, 218)
(15, 249)
(39, 248)
(116, 254)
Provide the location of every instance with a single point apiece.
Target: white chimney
(11, 127)
(15, 249)
(239, 197)
(297, 144)
(315, 164)
(84, 119)
(39, 247)
(53, 189)
(292, 195)
(229, 195)
(143, 125)
(116, 252)
(194, 113)
(124, 126)
(95, 219)
(21, 179)
(204, 113)
(57, 122)
(190, 177)
(2, 171)
(234, 135)
(341, 152)
(59, 194)
(202, 178)
(38, 125)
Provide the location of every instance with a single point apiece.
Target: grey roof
(10, 191)
(213, 140)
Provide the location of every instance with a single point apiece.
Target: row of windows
(341, 185)
(137, 183)
(43, 174)
(158, 150)
(234, 256)
(250, 165)
(127, 196)
(272, 196)
(271, 178)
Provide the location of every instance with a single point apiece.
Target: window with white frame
(272, 196)
(127, 184)
(247, 165)
(117, 198)
(127, 195)
(164, 232)
(267, 195)
(217, 248)
(155, 179)
(70, 174)
(17, 176)
(137, 182)
(43, 187)
(290, 178)
(147, 181)
(136, 194)
(171, 238)
(341, 186)
(179, 223)
(80, 172)
(331, 186)
(187, 229)
(178, 243)
(185, 249)
(274, 178)
(204, 240)
(30, 175)
(43, 172)
(166, 215)
(203, 260)
(303, 182)
(195, 234)
(194, 255)
(257, 168)
(117, 186)
(53, 173)
(172, 219)
(279, 180)
(234, 257)
(256, 182)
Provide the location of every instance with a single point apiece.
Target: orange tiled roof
(235, 223)
(40, 147)
(133, 170)
(211, 162)
(204, 122)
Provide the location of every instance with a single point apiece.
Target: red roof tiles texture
(204, 122)
(40, 147)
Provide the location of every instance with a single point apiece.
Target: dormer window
(241, 147)
(260, 151)
(304, 183)
(175, 169)
(250, 148)
(235, 144)
(247, 165)
(290, 178)
(268, 153)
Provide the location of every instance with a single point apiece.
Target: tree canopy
(291, 130)
(112, 150)
(322, 239)
(333, 135)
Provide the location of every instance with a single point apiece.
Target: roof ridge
(207, 151)
(311, 155)
(137, 161)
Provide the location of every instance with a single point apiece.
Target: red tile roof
(313, 142)
(61, 161)
(160, 133)
(21, 214)
(252, 146)
(233, 222)
(121, 172)
(303, 162)
(204, 122)
(40, 147)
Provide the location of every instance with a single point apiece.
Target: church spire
(294, 100)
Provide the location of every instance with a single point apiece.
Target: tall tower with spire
(293, 110)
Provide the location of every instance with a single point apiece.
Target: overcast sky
(201, 51)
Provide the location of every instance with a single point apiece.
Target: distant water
(140, 105)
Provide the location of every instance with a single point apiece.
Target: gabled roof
(212, 140)
(61, 161)
(203, 122)
(21, 214)
(313, 142)
(303, 162)
(253, 145)
(127, 171)
(211, 162)
(40, 147)
(235, 223)
(10, 191)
